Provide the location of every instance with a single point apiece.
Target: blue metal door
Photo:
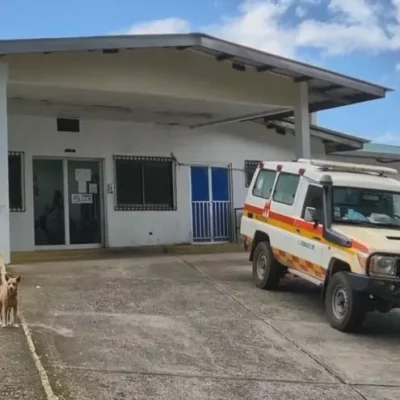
(211, 206)
(201, 221)
(220, 204)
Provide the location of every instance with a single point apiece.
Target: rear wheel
(266, 269)
(344, 306)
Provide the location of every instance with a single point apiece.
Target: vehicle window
(314, 199)
(366, 206)
(264, 184)
(286, 188)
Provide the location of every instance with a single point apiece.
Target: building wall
(101, 139)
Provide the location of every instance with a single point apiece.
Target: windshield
(366, 207)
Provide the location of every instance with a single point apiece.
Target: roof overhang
(327, 89)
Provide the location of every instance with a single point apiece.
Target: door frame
(67, 245)
(210, 165)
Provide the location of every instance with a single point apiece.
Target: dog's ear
(18, 278)
(7, 277)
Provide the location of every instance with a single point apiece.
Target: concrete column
(4, 202)
(302, 122)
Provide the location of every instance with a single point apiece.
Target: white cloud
(301, 11)
(355, 11)
(334, 38)
(160, 26)
(258, 24)
(350, 26)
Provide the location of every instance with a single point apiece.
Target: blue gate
(211, 205)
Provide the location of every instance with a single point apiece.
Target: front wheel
(266, 269)
(344, 306)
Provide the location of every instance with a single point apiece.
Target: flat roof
(334, 141)
(384, 153)
(332, 89)
(382, 148)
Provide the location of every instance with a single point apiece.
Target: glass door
(67, 203)
(84, 202)
(48, 203)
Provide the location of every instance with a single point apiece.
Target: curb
(93, 254)
(44, 379)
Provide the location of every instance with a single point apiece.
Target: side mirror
(310, 215)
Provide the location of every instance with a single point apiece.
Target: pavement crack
(272, 326)
(197, 376)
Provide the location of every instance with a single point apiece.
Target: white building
(131, 141)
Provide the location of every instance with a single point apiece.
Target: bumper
(385, 289)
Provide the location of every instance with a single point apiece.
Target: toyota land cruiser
(335, 224)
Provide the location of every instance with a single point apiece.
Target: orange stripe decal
(290, 223)
(291, 261)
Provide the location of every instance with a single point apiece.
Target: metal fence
(211, 221)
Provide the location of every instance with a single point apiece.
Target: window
(264, 184)
(16, 181)
(363, 206)
(314, 200)
(144, 183)
(286, 188)
(250, 167)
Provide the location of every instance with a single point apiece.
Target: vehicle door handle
(250, 215)
(298, 230)
(316, 238)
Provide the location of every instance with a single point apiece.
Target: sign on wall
(83, 174)
(81, 198)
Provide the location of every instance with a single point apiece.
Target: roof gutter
(53, 45)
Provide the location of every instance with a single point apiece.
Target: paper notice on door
(79, 198)
(82, 186)
(93, 188)
(83, 174)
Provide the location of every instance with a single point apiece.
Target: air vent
(67, 125)
(393, 237)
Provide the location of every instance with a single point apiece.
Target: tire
(345, 308)
(266, 269)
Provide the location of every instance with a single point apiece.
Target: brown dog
(9, 300)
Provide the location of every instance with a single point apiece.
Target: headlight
(383, 266)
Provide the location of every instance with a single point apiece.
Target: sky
(360, 38)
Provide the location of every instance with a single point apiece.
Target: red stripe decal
(301, 224)
(254, 209)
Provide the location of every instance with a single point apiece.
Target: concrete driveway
(195, 327)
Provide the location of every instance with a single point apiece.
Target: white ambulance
(334, 224)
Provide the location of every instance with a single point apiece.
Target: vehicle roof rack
(349, 167)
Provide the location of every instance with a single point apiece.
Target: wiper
(387, 224)
(354, 222)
